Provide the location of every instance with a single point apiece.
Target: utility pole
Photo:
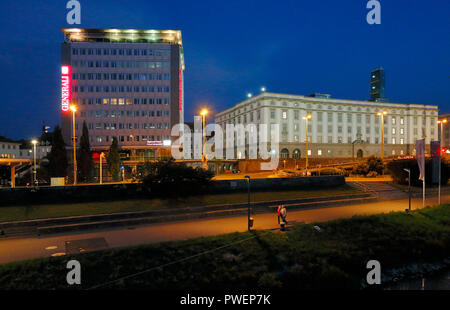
(249, 222)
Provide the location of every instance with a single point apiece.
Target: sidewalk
(79, 223)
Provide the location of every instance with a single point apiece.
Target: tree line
(58, 161)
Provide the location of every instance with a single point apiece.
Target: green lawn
(28, 212)
(333, 258)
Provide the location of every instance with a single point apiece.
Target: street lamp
(441, 122)
(382, 114)
(249, 95)
(263, 89)
(306, 118)
(203, 114)
(101, 171)
(34, 158)
(409, 187)
(249, 219)
(74, 109)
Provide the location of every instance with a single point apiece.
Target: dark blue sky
(233, 47)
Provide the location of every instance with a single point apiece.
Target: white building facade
(338, 127)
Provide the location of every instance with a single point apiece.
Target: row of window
(8, 146)
(340, 139)
(135, 64)
(121, 76)
(349, 117)
(129, 138)
(296, 154)
(120, 101)
(114, 126)
(394, 131)
(120, 51)
(114, 114)
(120, 89)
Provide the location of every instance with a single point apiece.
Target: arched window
(284, 153)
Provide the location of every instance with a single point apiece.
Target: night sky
(234, 47)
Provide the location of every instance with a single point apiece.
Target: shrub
(373, 165)
(168, 178)
(400, 176)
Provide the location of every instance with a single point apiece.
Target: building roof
(8, 140)
(125, 36)
(267, 95)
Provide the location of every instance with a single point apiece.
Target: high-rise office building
(377, 84)
(125, 83)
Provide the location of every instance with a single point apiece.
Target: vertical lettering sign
(180, 103)
(65, 88)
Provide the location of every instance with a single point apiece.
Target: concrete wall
(279, 183)
(110, 192)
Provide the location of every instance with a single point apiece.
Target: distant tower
(377, 85)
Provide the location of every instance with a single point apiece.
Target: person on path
(283, 214)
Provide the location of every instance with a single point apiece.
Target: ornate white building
(338, 127)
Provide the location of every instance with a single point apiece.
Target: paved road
(54, 245)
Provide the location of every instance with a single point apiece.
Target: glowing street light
(263, 89)
(306, 118)
(203, 113)
(440, 122)
(74, 109)
(34, 141)
(101, 168)
(382, 114)
(249, 95)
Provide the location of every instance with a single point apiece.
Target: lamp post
(249, 222)
(34, 160)
(441, 122)
(409, 187)
(101, 168)
(204, 160)
(74, 109)
(306, 118)
(382, 114)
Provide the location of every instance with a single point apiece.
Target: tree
(113, 159)
(171, 179)
(57, 157)
(85, 155)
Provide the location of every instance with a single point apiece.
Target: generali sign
(65, 88)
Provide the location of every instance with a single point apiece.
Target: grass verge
(29, 212)
(303, 258)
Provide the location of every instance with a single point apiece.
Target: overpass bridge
(13, 163)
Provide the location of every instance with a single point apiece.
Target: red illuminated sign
(65, 88)
(180, 105)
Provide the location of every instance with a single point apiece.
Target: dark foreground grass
(303, 258)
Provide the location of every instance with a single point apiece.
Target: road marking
(51, 247)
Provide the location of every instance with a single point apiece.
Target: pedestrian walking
(278, 213)
(283, 214)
